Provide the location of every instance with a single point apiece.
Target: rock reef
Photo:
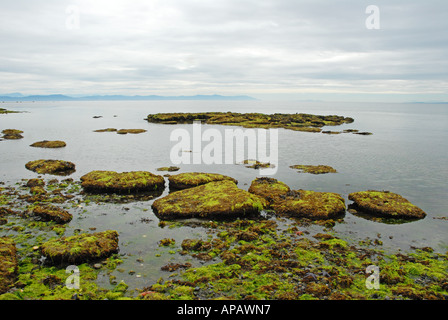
(49, 144)
(319, 169)
(297, 121)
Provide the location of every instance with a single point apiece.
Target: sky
(268, 49)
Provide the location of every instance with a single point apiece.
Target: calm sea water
(406, 154)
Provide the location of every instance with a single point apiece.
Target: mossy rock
(132, 131)
(169, 169)
(52, 213)
(55, 167)
(255, 164)
(35, 183)
(81, 248)
(12, 134)
(318, 169)
(386, 204)
(124, 182)
(218, 199)
(106, 130)
(311, 204)
(297, 121)
(194, 179)
(8, 263)
(269, 188)
(49, 144)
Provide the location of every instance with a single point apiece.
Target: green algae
(269, 188)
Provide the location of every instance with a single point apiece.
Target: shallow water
(406, 154)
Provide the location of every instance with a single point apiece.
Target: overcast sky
(269, 49)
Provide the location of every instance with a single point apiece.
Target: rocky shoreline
(257, 244)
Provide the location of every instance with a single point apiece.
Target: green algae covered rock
(218, 199)
(12, 134)
(124, 182)
(386, 204)
(194, 179)
(56, 167)
(297, 121)
(311, 204)
(318, 169)
(8, 263)
(269, 188)
(49, 144)
(47, 213)
(81, 248)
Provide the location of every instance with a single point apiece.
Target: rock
(255, 164)
(52, 213)
(8, 263)
(170, 169)
(194, 179)
(49, 144)
(106, 130)
(311, 204)
(269, 188)
(218, 199)
(319, 169)
(363, 133)
(12, 134)
(35, 183)
(56, 167)
(297, 121)
(133, 131)
(81, 248)
(125, 182)
(386, 204)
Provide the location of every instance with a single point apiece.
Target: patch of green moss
(194, 179)
(56, 167)
(318, 169)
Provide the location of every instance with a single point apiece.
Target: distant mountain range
(60, 97)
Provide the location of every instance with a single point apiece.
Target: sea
(407, 154)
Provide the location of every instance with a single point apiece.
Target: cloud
(226, 47)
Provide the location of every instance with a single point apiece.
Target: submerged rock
(194, 179)
(49, 144)
(106, 130)
(311, 204)
(8, 263)
(81, 248)
(255, 164)
(124, 182)
(386, 204)
(218, 199)
(319, 169)
(269, 188)
(56, 167)
(52, 213)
